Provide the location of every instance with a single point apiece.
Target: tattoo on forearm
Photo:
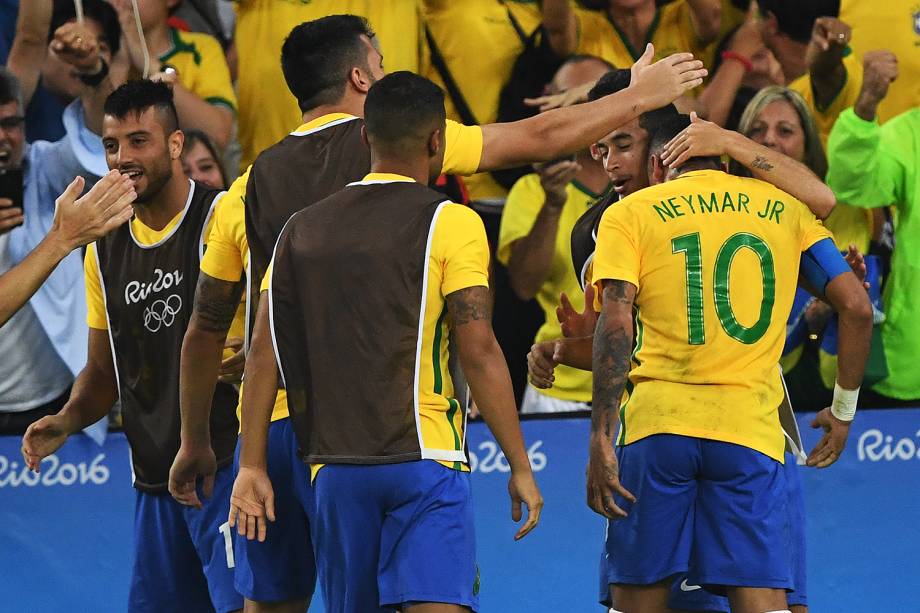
(613, 344)
(470, 304)
(216, 302)
(762, 163)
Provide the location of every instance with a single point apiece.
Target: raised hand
(78, 46)
(522, 487)
(79, 221)
(573, 95)
(667, 79)
(252, 502)
(573, 323)
(554, 177)
(700, 139)
(829, 39)
(880, 69)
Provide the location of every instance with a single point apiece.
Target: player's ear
(657, 170)
(360, 80)
(175, 142)
(596, 154)
(364, 135)
(434, 143)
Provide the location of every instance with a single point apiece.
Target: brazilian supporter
(872, 165)
(619, 32)
(689, 436)
(191, 63)
(624, 153)
(201, 161)
(534, 244)
(394, 441)
(50, 330)
(331, 94)
(140, 284)
(267, 111)
(49, 82)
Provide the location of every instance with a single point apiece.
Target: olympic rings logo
(162, 313)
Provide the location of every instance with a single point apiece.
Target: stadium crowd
(816, 97)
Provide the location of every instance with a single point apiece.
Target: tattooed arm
(613, 344)
(704, 138)
(216, 302)
(487, 373)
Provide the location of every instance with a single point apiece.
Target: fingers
(622, 491)
(516, 512)
(533, 518)
(589, 298)
(73, 190)
(821, 453)
(10, 217)
(185, 493)
(207, 486)
(646, 58)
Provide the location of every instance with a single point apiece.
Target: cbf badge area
(863, 549)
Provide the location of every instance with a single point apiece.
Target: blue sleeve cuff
(822, 263)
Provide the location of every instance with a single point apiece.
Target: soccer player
(329, 65)
(140, 286)
(699, 441)
(360, 322)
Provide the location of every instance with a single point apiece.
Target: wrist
(738, 58)
(554, 202)
(58, 245)
(843, 407)
(195, 438)
(93, 79)
(866, 106)
(68, 420)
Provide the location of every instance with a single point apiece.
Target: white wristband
(844, 405)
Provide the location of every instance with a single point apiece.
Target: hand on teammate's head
(663, 82)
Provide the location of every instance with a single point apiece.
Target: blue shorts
(391, 534)
(183, 557)
(281, 567)
(715, 512)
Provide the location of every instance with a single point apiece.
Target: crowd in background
(834, 84)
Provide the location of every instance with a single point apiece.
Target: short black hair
(618, 80)
(667, 130)
(401, 110)
(10, 90)
(796, 18)
(135, 97)
(317, 56)
(99, 11)
(614, 81)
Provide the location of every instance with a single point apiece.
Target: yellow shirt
(479, 45)
(716, 261)
(458, 259)
(670, 32)
(228, 249)
(202, 67)
(893, 25)
(525, 200)
(267, 108)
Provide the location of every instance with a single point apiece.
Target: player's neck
(162, 208)
(352, 105)
(634, 24)
(414, 169)
(592, 174)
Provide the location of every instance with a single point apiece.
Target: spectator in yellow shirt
(534, 243)
(192, 64)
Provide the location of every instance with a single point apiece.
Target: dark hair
(796, 18)
(99, 11)
(138, 96)
(618, 80)
(317, 56)
(402, 109)
(197, 136)
(667, 130)
(10, 90)
(614, 81)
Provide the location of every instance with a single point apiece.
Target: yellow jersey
(202, 67)
(525, 200)
(715, 259)
(267, 108)
(462, 31)
(228, 249)
(893, 25)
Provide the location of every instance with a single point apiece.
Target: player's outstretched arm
(93, 394)
(559, 132)
(252, 500)
(77, 221)
(216, 302)
(613, 344)
(848, 296)
(703, 138)
(487, 374)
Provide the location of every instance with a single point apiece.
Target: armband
(843, 406)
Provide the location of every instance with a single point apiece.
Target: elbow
(856, 310)
(825, 203)
(522, 289)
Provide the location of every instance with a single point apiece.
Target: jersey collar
(322, 122)
(374, 178)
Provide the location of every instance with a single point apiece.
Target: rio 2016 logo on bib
(162, 313)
